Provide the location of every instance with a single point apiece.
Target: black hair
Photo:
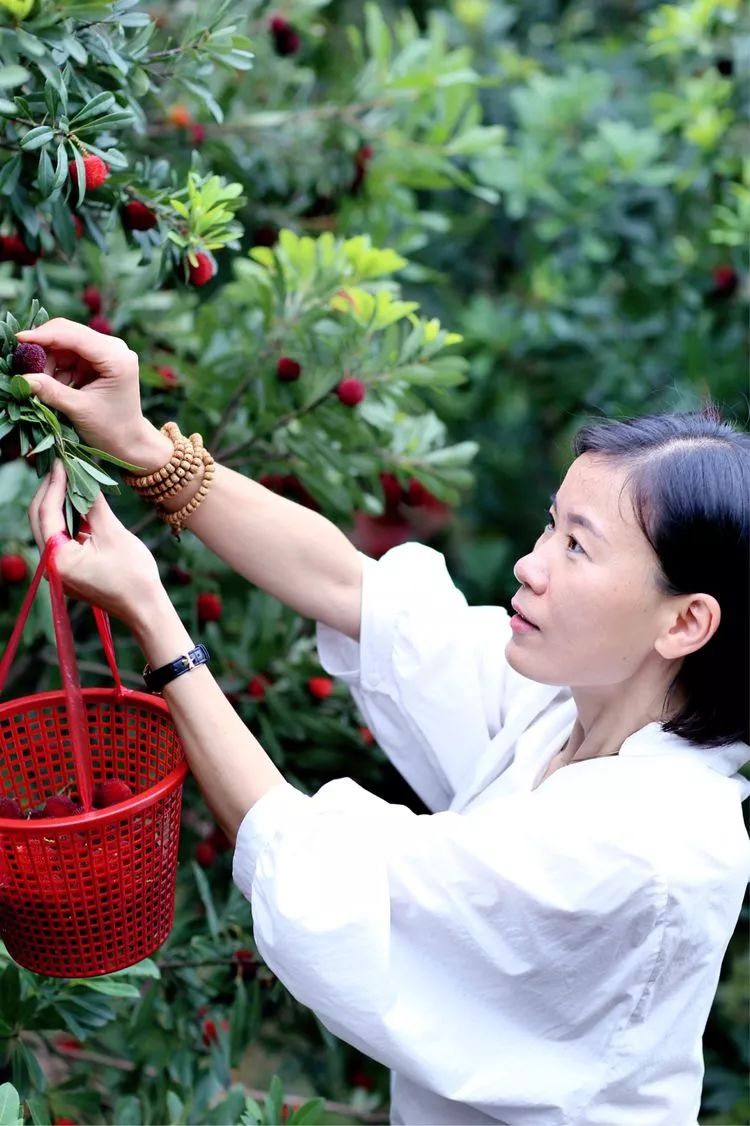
(689, 484)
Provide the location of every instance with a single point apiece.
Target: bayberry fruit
(60, 806)
(101, 324)
(726, 281)
(286, 40)
(169, 376)
(95, 169)
(198, 133)
(179, 576)
(392, 491)
(136, 216)
(92, 298)
(245, 960)
(13, 568)
(366, 736)
(111, 792)
(218, 838)
(202, 271)
(288, 370)
(10, 808)
(210, 1035)
(14, 249)
(351, 391)
(209, 608)
(205, 854)
(320, 687)
(257, 687)
(179, 115)
(28, 359)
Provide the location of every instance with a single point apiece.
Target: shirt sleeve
(429, 673)
(470, 953)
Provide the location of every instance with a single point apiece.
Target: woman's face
(593, 597)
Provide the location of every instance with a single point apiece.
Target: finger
(34, 512)
(51, 510)
(60, 333)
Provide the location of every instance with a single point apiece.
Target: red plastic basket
(91, 893)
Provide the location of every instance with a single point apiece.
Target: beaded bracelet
(178, 518)
(185, 463)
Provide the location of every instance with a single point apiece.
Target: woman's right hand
(93, 379)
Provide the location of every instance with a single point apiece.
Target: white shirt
(526, 956)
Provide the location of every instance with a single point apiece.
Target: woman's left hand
(107, 565)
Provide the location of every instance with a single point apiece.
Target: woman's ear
(693, 624)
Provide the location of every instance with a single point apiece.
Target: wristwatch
(155, 679)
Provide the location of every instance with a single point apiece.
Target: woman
(544, 947)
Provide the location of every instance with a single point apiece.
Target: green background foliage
(504, 218)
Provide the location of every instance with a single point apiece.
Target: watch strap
(155, 679)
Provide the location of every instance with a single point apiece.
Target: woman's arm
(228, 763)
(284, 548)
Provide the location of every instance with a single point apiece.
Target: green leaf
(100, 103)
(107, 985)
(19, 388)
(204, 891)
(36, 137)
(13, 76)
(94, 471)
(10, 1105)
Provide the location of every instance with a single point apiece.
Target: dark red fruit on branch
(210, 1035)
(218, 838)
(198, 133)
(14, 249)
(136, 216)
(209, 608)
(288, 370)
(101, 324)
(179, 576)
(205, 854)
(10, 808)
(726, 281)
(78, 226)
(320, 687)
(202, 271)
(392, 491)
(92, 298)
(60, 806)
(28, 358)
(286, 40)
(351, 391)
(95, 169)
(169, 376)
(111, 792)
(245, 959)
(13, 568)
(257, 687)
(362, 158)
(366, 736)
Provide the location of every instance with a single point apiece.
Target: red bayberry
(198, 133)
(203, 270)
(366, 736)
(209, 608)
(286, 40)
(169, 376)
(14, 249)
(65, 1122)
(92, 298)
(179, 576)
(245, 960)
(111, 792)
(10, 808)
(95, 169)
(288, 369)
(78, 226)
(60, 806)
(29, 358)
(13, 568)
(257, 687)
(361, 1079)
(210, 1035)
(726, 281)
(351, 391)
(320, 687)
(101, 324)
(392, 491)
(205, 854)
(179, 115)
(218, 838)
(136, 216)
(285, 1112)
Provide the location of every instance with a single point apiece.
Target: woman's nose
(529, 571)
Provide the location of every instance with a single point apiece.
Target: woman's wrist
(159, 630)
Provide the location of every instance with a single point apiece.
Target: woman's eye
(551, 524)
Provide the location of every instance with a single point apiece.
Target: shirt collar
(652, 740)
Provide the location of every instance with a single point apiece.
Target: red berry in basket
(288, 370)
(60, 806)
(9, 807)
(92, 298)
(29, 359)
(320, 687)
(95, 171)
(202, 271)
(111, 792)
(13, 568)
(210, 1035)
(351, 391)
(136, 216)
(205, 854)
(209, 608)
